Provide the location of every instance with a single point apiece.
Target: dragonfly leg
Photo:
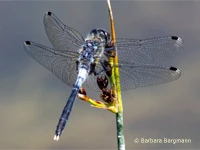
(107, 95)
(96, 103)
(77, 63)
(106, 67)
(109, 51)
(102, 82)
(92, 69)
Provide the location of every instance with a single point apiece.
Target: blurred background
(31, 98)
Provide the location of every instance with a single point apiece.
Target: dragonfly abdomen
(65, 113)
(82, 75)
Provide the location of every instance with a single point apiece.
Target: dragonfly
(79, 61)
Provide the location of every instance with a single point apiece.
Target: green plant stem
(115, 83)
(120, 131)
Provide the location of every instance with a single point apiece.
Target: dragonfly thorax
(91, 50)
(89, 53)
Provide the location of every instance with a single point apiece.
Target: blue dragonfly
(79, 61)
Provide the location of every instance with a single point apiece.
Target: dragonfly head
(101, 35)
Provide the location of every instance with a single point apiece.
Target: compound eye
(94, 31)
(102, 34)
(108, 35)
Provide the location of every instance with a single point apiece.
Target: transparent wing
(139, 75)
(63, 65)
(148, 51)
(133, 76)
(62, 37)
